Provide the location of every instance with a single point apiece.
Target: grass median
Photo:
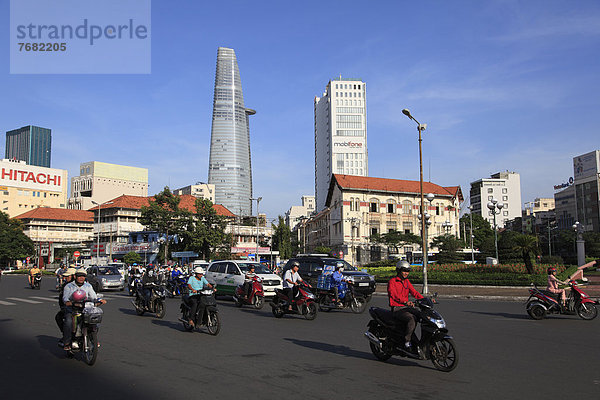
(485, 275)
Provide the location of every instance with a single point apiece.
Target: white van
(228, 274)
(200, 263)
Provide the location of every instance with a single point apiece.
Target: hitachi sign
(31, 177)
(348, 144)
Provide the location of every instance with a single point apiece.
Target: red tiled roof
(59, 214)
(187, 202)
(392, 185)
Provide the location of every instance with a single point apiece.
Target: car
(105, 277)
(120, 266)
(228, 274)
(312, 266)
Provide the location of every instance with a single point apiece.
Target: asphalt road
(503, 354)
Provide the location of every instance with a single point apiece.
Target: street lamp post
(495, 209)
(258, 199)
(447, 226)
(425, 222)
(471, 234)
(420, 128)
(579, 229)
(98, 238)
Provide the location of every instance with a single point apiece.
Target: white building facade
(296, 213)
(505, 187)
(200, 190)
(340, 134)
(100, 182)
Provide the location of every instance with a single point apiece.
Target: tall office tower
(229, 168)
(31, 144)
(340, 134)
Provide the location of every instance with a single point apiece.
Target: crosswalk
(13, 301)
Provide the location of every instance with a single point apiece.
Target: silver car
(105, 277)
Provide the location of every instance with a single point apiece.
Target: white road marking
(6, 303)
(24, 300)
(44, 298)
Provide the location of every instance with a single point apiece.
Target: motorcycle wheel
(358, 305)
(237, 301)
(444, 355)
(259, 302)
(311, 311)
(587, 311)
(139, 308)
(537, 312)
(213, 325)
(160, 309)
(91, 353)
(378, 352)
(278, 312)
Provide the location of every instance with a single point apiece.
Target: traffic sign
(76, 254)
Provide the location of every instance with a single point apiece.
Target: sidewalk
(492, 293)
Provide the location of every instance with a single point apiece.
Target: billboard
(586, 165)
(21, 175)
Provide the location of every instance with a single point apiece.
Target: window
(505, 213)
(504, 198)
(374, 206)
(374, 231)
(407, 227)
(232, 269)
(490, 198)
(391, 208)
(406, 207)
(504, 190)
(490, 190)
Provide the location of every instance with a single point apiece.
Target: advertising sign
(586, 165)
(32, 177)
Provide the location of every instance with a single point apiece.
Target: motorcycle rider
(290, 281)
(70, 288)
(336, 281)
(398, 289)
(197, 283)
(33, 272)
(553, 282)
(149, 280)
(60, 315)
(248, 281)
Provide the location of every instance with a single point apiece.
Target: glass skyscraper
(229, 166)
(31, 144)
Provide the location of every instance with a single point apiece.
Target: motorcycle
(303, 303)
(347, 299)
(386, 337)
(543, 302)
(210, 317)
(36, 281)
(86, 317)
(177, 286)
(257, 295)
(156, 303)
(134, 280)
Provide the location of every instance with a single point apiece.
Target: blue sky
(502, 85)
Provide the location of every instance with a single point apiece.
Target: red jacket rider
(398, 289)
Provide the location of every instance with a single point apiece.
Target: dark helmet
(294, 264)
(403, 266)
(551, 270)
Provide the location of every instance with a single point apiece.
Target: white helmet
(199, 270)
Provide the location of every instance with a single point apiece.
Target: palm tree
(526, 245)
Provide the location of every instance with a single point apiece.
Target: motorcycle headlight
(371, 277)
(439, 322)
(104, 280)
(310, 295)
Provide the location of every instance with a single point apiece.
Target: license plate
(363, 284)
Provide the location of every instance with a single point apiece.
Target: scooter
(347, 299)
(257, 294)
(542, 302)
(210, 317)
(303, 303)
(36, 281)
(156, 303)
(386, 337)
(134, 280)
(86, 317)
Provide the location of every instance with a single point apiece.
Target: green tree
(14, 244)
(205, 233)
(483, 233)
(527, 245)
(592, 244)
(164, 215)
(449, 246)
(282, 239)
(395, 239)
(323, 250)
(132, 257)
